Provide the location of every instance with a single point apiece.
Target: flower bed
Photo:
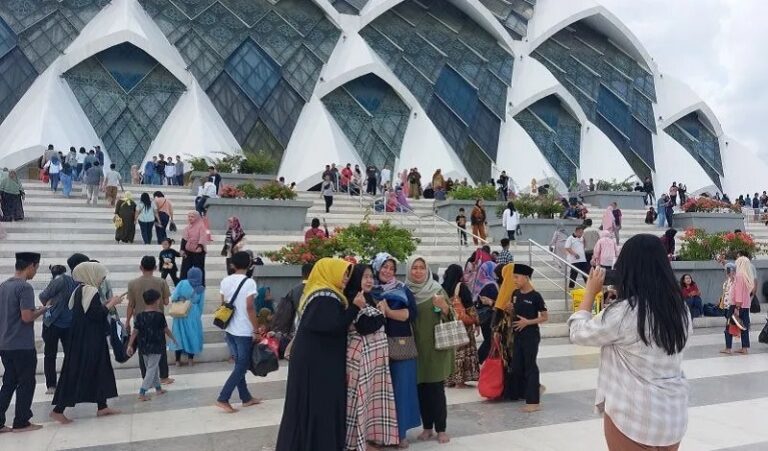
(613, 185)
(709, 205)
(358, 242)
(248, 190)
(699, 245)
(530, 206)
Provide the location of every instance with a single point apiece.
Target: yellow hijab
(327, 274)
(507, 287)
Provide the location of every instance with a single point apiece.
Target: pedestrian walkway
(728, 393)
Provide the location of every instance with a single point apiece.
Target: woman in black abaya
(316, 393)
(87, 375)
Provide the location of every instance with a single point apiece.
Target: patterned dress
(371, 412)
(466, 367)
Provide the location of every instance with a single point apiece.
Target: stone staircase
(57, 227)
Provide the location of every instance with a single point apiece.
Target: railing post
(565, 288)
(530, 253)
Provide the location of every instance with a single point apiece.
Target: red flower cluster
(230, 192)
(708, 205)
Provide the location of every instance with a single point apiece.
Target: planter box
(538, 230)
(710, 275)
(625, 199)
(230, 179)
(259, 214)
(709, 222)
(449, 209)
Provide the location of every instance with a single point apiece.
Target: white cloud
(715, 46)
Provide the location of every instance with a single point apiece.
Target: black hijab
(355, 283)
(453, 276)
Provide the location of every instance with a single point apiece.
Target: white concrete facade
(49, 113)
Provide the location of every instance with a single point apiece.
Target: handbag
(450, 334)
(402, 348)
(172, 227)
(263, 359)
(763, 337)
(490, 384)
(458, 308)
(119, 340)
(117, 221)
(223, 315)
(180, 309)
(754, 306)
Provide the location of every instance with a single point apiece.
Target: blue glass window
(221, 28)
(7, 38)
(193, 7)
(204, 63)
(302, 71)
(16, 76)
(457, 94)
(485, 131)
(276, 37)
(301, 14)
(352, 7)
(127, 64)
(281, 112)
(262, 140)
(249, 11)
(614, 110)
(254, 72)
(46, 40)
(697, 138)
(237, 110)
(513, 15)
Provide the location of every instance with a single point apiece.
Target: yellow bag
(117, 221)
(180, 309)
(223, 314)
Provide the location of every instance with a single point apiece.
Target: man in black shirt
(214, 177)
(530, 311)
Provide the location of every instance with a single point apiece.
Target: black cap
(523, 270)
(29, 257)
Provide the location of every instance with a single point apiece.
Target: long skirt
(371, 414)
(467, 366)
(196, 259)
(13, 209)
(404, 382)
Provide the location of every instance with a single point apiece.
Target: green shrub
(274, 190)
(613, 185)
(198, 164)
(530, 206)
(249, 190)
(482, 191)
(258, 163)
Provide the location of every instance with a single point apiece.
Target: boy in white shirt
(575, 255)
(240, 290)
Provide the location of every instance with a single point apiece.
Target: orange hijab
(507, 287)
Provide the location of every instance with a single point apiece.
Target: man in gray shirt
(93, 177)
(179, 171)
(17, 342)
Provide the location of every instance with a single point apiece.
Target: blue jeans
(744, 317)
(661, 219)
(146, 231)
(695, 305)
(54, 181)
(242, 347)
(66, 184)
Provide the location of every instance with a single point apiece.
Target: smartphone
(611, 277)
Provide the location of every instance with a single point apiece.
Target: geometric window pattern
(373, 117)
(695, 136)
(513, 15)
(258, 60)
(351, 7)
(556, 133)
(458, 72)
(32, 35)
(126, 120)
(614, 90)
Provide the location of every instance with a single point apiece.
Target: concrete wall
(259, 214)
(538, 230)
(449, 209)
(709, 222)
(230, 179)
(625, 200)
(710, 275)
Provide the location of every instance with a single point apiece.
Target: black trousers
(196, 259)
(588, 255)
(163, 365)
(524, 372)
(511, 235)
(162, 230)
(432, 405)
(328, 203)
(100, 405)
(19, 378)
(463, 236)
(371, 188)
(179, 353)
(583, 266)
(170, 272)
(52, 335)
(485, 347)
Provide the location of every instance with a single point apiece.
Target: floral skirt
(466, 366)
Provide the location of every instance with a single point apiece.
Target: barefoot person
(17, 342)
(86, 374)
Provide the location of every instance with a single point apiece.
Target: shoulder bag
(223, 314)
(490, 384)
(180, 308)
(402, 348)
(754, 306)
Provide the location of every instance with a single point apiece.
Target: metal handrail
(559, 267)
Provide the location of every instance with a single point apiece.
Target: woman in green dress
(434, 366)
(11, 197)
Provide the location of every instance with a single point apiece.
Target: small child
(150, 328)
(650, 216)
(168, 261)
(461, 221)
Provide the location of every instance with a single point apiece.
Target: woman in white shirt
(53, 166)
(510, 220)
(641, 389)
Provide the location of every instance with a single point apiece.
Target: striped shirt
(639, 386)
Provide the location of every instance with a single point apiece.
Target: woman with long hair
(641, 388)
(234, 240)
(466, 365)
(164, 209)
(194, 244)
(125, 227)
(510, 220)
(668, 241)
(400, 313)
(740, 300)
(316, 391)
(691, 295)
(434, 366)
(371, 413)
(146, 214)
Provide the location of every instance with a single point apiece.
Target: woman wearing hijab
(188, 330)
(316, 391)
(193, 244)
(504, 316)
(466, 365)
(740, 300)
(557, 244)
(234, 240)
(125, 209)
(404, 181)
(371, 413)
(135, 175)
(484, 302)
(86, 374)
(391, 205)
(478, 218)
(402, 201)
(264, 300)
(400, 313)
(434, 366)
(11, 197)
(609, 221)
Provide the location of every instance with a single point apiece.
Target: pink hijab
(609, 224)
(197, 233)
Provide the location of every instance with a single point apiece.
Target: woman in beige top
(165, 214)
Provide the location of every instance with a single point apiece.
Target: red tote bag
(491, 381)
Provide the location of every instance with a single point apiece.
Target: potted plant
(465, 197)
(271, 206)
(710, 215)
(606, 192)
(235, 168)
(539, 218)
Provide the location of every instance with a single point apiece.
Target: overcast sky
(718, 47)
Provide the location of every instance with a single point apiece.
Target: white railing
(557, 263)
